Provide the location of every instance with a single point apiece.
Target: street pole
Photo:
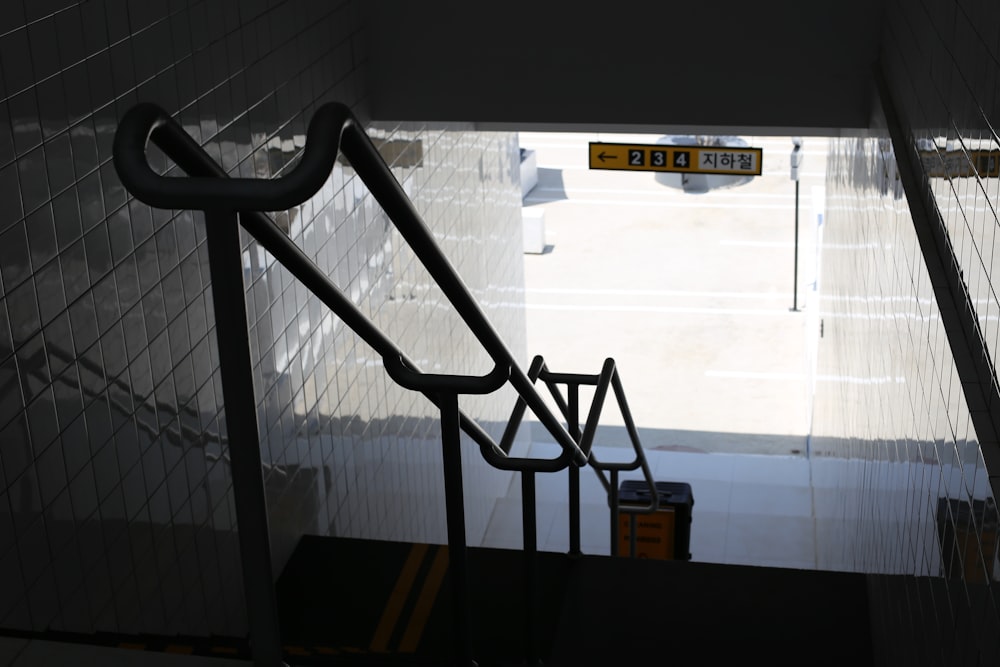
(795, 282)
(796, 161)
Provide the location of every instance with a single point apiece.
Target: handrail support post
(529, 526)
(613, 491)
(229, 298)
(573, 419)
(454, 498)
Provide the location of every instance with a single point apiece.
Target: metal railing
(231, 202)
(570, 408)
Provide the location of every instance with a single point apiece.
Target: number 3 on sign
(682, 159)
(637, 158)
(658, 158)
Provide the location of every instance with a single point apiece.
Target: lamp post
(796, 161)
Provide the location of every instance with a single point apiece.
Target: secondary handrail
(332, 129)
(607, 379)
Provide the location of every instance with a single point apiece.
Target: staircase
(346, 601)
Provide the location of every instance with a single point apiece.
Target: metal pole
(530, 528)
(614, 512)
(226, 268)
(795, 286)
(573, 419)
(454, 498)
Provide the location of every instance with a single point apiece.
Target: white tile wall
(116, 511)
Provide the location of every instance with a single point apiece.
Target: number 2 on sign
(636, 158)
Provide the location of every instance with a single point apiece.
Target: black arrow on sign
(603, 156)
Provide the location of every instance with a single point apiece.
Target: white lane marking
(758, 244)
(651, 191)
(658, 309)
(655, 292)
(753, 375)
(847, 379)
(653, 204)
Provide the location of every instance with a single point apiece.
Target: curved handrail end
(412, 379)
(206, 191)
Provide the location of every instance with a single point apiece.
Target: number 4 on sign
(682, 158)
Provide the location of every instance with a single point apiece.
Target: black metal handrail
(333, 128)
(230, 202)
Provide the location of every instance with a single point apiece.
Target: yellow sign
(959, 164)
(654, 535)
(684, 159)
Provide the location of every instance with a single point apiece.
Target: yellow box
(661, 535)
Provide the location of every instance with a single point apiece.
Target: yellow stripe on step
(422, 610)
(393, 607)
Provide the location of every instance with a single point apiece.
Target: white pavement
(690, 294)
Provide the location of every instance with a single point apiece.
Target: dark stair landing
(347, 601)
